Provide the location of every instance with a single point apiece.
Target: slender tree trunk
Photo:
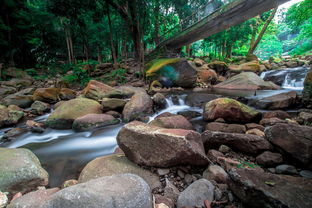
(264, 28)
(113, 49)
(11, 56)
(156, 32)
(99, 55)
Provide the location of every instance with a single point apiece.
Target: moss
(152, 67)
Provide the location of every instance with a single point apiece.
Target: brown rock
(254, 126)
(276, 114)
(208, 76)
(227, 128)
(172, 122)
(216, 173)
(47, 94)
(271, 121)
(93, 121)
(256, 132)
(113, 104)
(67, 94)
(169, 147)
(269, 159)
(213, 155)
(97, 91)
(279, 101)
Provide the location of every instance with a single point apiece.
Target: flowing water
(63, 153)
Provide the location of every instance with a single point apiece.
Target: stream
(63, 153)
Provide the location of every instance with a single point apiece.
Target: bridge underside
(230, 15)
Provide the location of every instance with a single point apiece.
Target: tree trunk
(113, 49)
(99, 54)
(264, 28)
(11, 56)
(156, 32)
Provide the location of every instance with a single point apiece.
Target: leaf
(270, 183)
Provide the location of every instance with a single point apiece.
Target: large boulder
(139, 106)
(97, 91)
(227, 128)
(230, 110)
(46, 94)
(293, 139)
(172, 122)
(155, 146)
(113, 165)
(117, 191)
(9, 116)
(246, 81)
(219, 66)
(93, 121)
(307, 91)
(186, 74)
(258, 189)
(65, 114)
(207, 76)
(246, 143)
(20, 171)
(21, 99)
(113, 104)
(274, 102)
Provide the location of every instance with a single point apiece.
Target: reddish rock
(93, 121)
(227, 128)
(207, 76)
(271, 121)
(245, 143)
(97, 91)
(293, 139)
(279, 101)
(216, 173)
(269, 159)
(213, 155)
(276, 114)
(255, 132)
(258, 189)
(159, 147)
(254, 126)
(172, 122)
(67, 94)
(227, 163)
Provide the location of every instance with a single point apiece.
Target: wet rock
(276, 114)
(159, 101)
(172, 122)
(5, 90)
(208, 76)
(293, 139)
(216, 173)
(245, 143)
(35, 126)
(189, 114)
(247, 81)
(114, 114)
(269, 159)
(198, 62)
(9, 117)
(307, 91)
(64, 115)
(199, 99)
(254, 126)
(40, 108)
(306, 174)
(97, 91)
(169, 146)
(187, 74)
(118, 191)
(13, 133)
(196, 194)
(140, 105)
(230, 110)
(18, 83)
(286, 169)
(258, 189)
(252, 66)
(279, 101)
(20, 171)
(255, 132)
(219, 66)
(33, 199)
(271, 121)
(227, 128)
(93, 121)
(113, 104)
(113, 165)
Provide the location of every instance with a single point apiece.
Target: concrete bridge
(210, 20)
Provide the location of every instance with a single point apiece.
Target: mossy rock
(65, 114)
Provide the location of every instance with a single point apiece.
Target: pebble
(224, 149)
(306, 174)
(181, 174)
(286, 169)
(163, 172)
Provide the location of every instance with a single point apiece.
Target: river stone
(199, 99)
(245, 143)
(93, 121)
(159, 101)
(293, 139)
(276, 114)
(22, 101)
(186, 74)
(279, 101)
(172, 122)
(246, 81)
(33, 199)
(258, 189)
(286, 169)
(196, 194)
(47, 94)
(216, 173)
(64, 115)
(224, 127)
(219, 66)
(269, 159)
(116, 164)
(97, 91)
(307, 91)
(5, 90)
(20, 171)
(39, 107)
(117, 191)
(154, 146)
(113, 104)
(230, 110)
(9, 117)
(139, 106)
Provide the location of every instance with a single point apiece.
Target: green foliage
(244, 164)
(78, 74)
(117, 75)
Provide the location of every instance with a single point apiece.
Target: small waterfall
(294, 84)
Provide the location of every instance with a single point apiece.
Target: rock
(216, 173)
(49, 95)
(255, 132)
(269, 159)
(305, 117)
(286, 169)
(20, 100)
(169, 147)
(140, 105)
(93, 121)
(114, 114)
(97, 91)
(230, 110)
(208, 76)
(198, 62)
(279, 101)
(252, 66)
(159, 101)
(113, 165)
(189, 114)
(40, 108)
(163, 171)
(5, 90)
(113, 104)
(276, 114)
(69, 183)
(227, 163)
(64, 116)
(17, 73)
(162, 205)
(33, 199)
(196, 194)
(271, 121)
(228, 128)
(67, 94)
(219, 66)
(293, 139)
(172, 122)
(245, 143)
(117, 191)
(246, 81)
(13, 133)
(224, 149)
(3, 200)
(251, 57)
(159, 199)
(213, 155)
(9, 117)
(307, 91)
(306, 174)
(185, 74)
(170, 191)
(199, 99)
(20, 171)
(254, 126)
(271, 190)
